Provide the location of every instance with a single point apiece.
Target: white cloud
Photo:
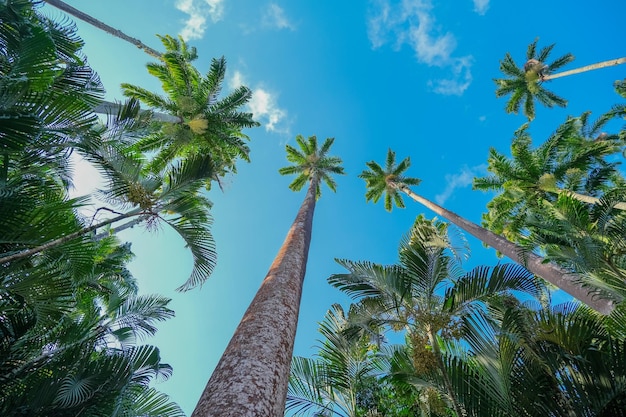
(199, 11)
(274, 17)
(461, 180)
(263, 106)
(481, 6)
(411, 22)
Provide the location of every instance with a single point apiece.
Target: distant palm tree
(103, 26)
(390, 181)
(251, 377)
(524, 84)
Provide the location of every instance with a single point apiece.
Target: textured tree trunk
(251, 377)
(599, 65)
(531, 261)
(103, 26)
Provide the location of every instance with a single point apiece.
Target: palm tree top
(311, 163)
(386, 180)
(524, 83)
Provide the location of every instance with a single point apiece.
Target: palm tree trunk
(599, 65)
(587, 198)
(251, 377)
(531, 261)
(103, 26)
(106, 107)
(54, 243)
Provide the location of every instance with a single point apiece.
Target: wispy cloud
(274, 17)
(264, 106)
(412, 22)
(481, 6)
(459, 180)
(199, 11)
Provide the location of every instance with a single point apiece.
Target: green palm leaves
(387, 181)
(311, 163)
(525, 84)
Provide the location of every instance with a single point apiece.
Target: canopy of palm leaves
(209, 124)
(544, 201)
(311, 163)
(385, 181)
(524, 84)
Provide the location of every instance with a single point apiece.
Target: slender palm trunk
(599, 65)
(531, 261)
(103, 26)
(57, 242)
(106, 107)
(251, 377)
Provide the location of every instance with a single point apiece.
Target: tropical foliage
(71, 319)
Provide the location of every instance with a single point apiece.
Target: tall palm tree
(429, 295)
(210, 124)
(390, 181)
(103, 26)
(524, 84)
(251, 377)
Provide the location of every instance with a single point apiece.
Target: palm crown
(210, 124)
(312, 164)
(524, 84)
(386, 181)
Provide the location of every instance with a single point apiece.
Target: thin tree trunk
(599, 65)
(252, 376)
(54, 243)
(586, 198)
(531, 261)
(106, 107)
(103, 26)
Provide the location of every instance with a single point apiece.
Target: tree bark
(103, 26)
(599, 65)
(531, 261)
(252, 376)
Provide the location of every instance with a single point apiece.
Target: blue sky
(414, 76)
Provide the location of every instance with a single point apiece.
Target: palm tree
(209, 124)
(251, 377)
(103, 26)
(571, 161)
(525, 84)
(429, 295)
(390, 181)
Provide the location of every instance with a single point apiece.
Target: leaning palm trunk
(599, 65)
(103, 26)
(106, 107)
(68, 238)
(531, 261)
(587, 198)
(252, 376)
